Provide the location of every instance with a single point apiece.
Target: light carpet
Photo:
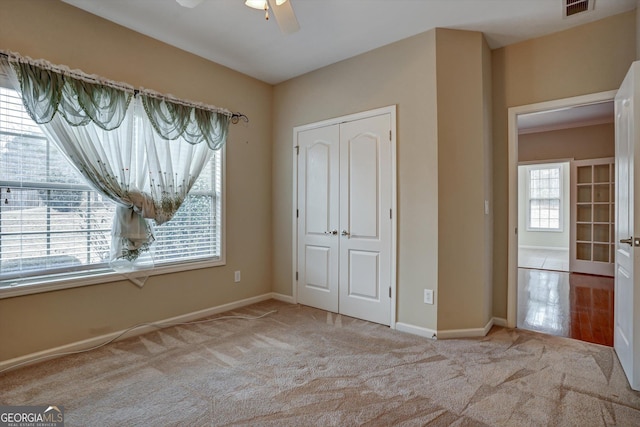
(305, 367)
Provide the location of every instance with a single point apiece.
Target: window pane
(14, 117)
(190, 233)
(544, 213)
(50, 228)
(51, 221)
(544, 183)
(544, 198)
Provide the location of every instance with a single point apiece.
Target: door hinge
(516, 231)
(390, 213)
(296, 276)
(297, 213)
(297, 147)
(389, 135)
(389, 291)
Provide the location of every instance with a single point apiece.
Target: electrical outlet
(236, 277)
(428, 296)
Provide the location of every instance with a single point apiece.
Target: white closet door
(365, 219)
(318, 198)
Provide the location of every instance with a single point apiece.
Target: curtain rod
(92, 78)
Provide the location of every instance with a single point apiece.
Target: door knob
(628, 241)
(344, 233)
(333, 232)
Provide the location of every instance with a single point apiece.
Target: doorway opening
(544, 214)
(546, 291)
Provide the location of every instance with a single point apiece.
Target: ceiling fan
(282, 10)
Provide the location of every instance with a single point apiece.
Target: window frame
(102, 273)
(561, 198)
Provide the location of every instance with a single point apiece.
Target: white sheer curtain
(147, 176)
(143, 152)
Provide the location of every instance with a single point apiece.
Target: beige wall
(586, 142)
(65, 35)
(444, 145)
(402, 73)
(587, 59)
(463, 96)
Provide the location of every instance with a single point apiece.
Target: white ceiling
(231, 34)
(584, 115)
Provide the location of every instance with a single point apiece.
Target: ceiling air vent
(573, 7)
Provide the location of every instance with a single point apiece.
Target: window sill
(96, 277)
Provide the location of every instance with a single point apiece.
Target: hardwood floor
(572, 305)
(591, 306)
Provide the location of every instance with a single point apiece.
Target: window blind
(52, 222)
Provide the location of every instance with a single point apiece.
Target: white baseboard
(466, 333)
(453, 333)
(96, 341)
(545, 248)
(284, 298)
(416, 330)
(500, 321)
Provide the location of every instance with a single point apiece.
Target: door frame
(512, 119)
(391, 110)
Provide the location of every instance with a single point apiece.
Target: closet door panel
(318, 187)
(364, 277)
(318, 172)
(365, 223)
(363, 187)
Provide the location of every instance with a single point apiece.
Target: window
(545, 198)
(52, 222)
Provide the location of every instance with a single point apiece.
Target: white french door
(345, 200)
(626, 339)
(592, 247)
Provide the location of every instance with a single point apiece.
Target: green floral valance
(46, 92)
(172, 121)
(122, 141)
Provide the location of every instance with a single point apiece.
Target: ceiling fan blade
(285, 16)
(189, 3)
